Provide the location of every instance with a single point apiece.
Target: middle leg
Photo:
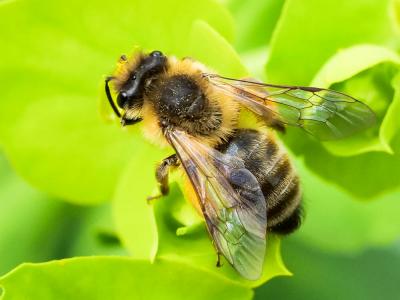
(162, 173)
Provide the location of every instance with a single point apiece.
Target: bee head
(132, 90)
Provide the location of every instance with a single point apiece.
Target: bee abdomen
(270, 164)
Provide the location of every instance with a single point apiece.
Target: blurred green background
(73, 184)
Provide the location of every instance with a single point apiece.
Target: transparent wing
(323, 113)
(232, 202)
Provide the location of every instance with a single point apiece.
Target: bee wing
(323, 113)
(231, 200)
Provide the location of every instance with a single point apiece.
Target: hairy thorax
(181, 98)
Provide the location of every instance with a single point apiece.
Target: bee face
(131, 92)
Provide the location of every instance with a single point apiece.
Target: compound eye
(156, 54)
(122, 99)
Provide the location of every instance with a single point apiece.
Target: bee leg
(125, 121)
(162, 172)
(123, 58)
(219, 264)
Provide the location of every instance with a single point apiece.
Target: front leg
(162, 172)
(125, 120)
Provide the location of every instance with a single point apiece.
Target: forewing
(232, 202)
(323, 113)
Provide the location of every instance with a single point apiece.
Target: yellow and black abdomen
(270, 164)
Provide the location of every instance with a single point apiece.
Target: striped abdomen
(269, 162)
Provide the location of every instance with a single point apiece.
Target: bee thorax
(181, 97)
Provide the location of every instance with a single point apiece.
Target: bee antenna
(109, 97)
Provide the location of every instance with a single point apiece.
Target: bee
(240, 179)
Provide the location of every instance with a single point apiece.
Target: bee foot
(150, 199)
(218, 264)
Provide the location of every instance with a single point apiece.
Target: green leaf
(255, 21)
(76, 158)
(390, 124)
(395, 14)
(34, 227)
(49, 123)
(26, 215)
(133, 216)
(93, 233)
(370, 275)
(368, 86)
(365, 176)
(115, 278)
(351, 61)
(309, 32)
(335, 221)
(221, 57)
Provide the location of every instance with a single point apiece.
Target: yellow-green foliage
(89, 179)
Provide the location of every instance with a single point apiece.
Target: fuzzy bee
(240, 179)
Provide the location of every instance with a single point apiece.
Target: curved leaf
(395, 13)
(370, 275)
(335, 222)
(309, 32)
(28, 230)
(221, 57)
(346, 64)
(316, 39)
(134, 218)
(255, 21)
(364, 176)
(115, 278)
(351, 61)
(77, 158)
